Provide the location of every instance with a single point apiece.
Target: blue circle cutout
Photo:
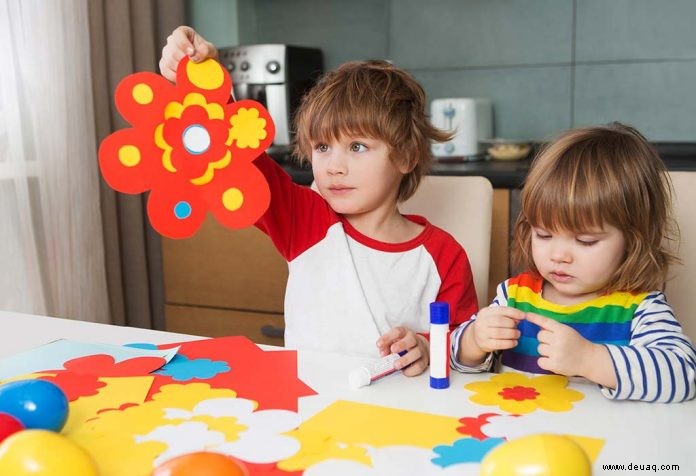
(182, 210)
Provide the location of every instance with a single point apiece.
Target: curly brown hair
(591, 176)
(373, 99)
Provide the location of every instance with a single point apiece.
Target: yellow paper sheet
(340, 430)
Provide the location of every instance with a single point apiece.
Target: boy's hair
(596, 175)
(376, 100)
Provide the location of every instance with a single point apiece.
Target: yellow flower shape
(176, 109)
(518, 394)
(248, 129)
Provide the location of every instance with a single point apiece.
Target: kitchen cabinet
(224, 282)
(503, 216)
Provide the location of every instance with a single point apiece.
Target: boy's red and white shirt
(345, 289)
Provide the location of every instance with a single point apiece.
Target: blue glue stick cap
(439, 312)
(439, 383)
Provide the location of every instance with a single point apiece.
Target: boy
(360, 272)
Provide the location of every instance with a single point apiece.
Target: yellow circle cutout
(207, 74)
(232, 199)
(129, 155)
(142, 93)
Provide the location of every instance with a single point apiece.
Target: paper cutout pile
(191, 148)
(134, 407)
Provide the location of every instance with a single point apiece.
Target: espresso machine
(277, 76)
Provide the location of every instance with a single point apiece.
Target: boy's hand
(495, 328)
(417, 348)
(563, 350)
(184, 41)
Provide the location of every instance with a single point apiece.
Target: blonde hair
(596, 175)
(376, 100)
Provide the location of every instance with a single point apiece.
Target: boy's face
(576, 266)
(355, 175)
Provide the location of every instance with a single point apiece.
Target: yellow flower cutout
(248, 129)
(518, 394)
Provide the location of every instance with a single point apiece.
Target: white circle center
(196, 139)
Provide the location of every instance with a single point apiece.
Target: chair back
(463, 207)
(683, 276)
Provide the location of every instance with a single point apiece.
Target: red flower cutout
(103, 365)
(190, 147)
(519, 393)
(75, 386)
(472, 425)
(80, 377)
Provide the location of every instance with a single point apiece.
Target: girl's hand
(495, 328)
(563, 350)
(399, 339)
(184, 41)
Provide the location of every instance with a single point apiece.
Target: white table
(635, 432)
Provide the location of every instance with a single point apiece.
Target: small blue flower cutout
(181, 368)
(465, 450)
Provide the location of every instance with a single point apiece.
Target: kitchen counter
(511, 173)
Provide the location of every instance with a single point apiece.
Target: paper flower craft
(466, 450)
(518, 394)
(80, 377)
(181, 368)
(190, 148)
(472, 425)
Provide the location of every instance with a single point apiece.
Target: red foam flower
(191, 148)
(79, 377)
(75, 386)
(472, 425)
(519, 393)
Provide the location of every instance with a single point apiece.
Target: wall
(546, 64)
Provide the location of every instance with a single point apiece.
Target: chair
(462, 206)
(680, 287)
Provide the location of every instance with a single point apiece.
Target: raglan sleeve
(457, 286)
(659, 362)
(297, 216)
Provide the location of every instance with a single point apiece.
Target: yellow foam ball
(537, 455)
(41, 452)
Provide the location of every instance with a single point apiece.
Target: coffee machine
(277, 76)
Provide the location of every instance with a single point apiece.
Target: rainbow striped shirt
(654, 361)
(602, 320)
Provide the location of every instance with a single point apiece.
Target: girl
(592, 231)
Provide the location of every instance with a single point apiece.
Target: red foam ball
(9, 425)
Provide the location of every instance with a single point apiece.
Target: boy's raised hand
(184, 41)
(417, 348)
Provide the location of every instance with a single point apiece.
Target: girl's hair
(376, 100)
(596, 175)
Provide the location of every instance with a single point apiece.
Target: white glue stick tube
(439, 345)
(374, 370)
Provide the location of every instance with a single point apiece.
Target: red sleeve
(457, 281)
(297, 217)
(458, 290)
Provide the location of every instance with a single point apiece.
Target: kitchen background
(546, 64)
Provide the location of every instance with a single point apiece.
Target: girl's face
(575, 266)
(355, 175)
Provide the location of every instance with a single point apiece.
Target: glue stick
(439, 344)
(374, 370)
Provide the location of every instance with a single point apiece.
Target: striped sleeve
(456, 336)
(659, 363)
